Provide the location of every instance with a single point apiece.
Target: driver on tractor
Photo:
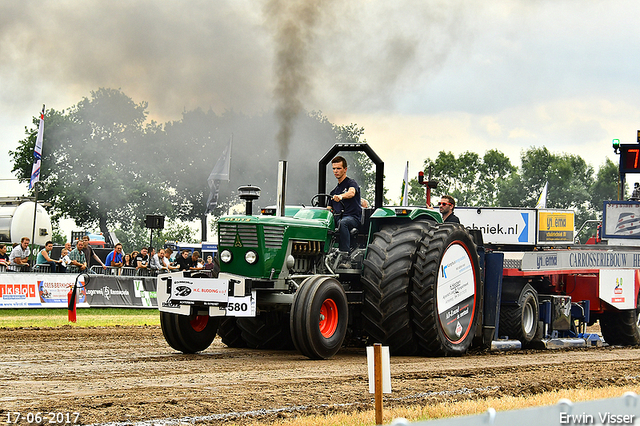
(345, 202)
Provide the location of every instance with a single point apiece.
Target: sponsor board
(456, 292)
(34, 290)
(617, 287)
(621, 219)
(186, 290)
(556, 226)
(558, 260)
(500, 225)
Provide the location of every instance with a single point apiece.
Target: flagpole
(35, 212)
(36, 181)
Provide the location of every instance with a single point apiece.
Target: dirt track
(129, 374)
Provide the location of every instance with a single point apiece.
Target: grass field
(93, 317)
(442, 410)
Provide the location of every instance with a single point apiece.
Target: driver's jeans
(346, 224)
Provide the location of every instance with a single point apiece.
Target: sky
(420, 76)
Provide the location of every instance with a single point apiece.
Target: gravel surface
(127, 375)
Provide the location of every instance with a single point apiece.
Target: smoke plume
(293, 23)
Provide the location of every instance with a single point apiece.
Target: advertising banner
(617, 287)
(621, 219)
(19, 290)
(501, 225)
(556, 226)
(34, 290)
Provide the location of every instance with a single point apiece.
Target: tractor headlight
(225, 256)
(251, 257)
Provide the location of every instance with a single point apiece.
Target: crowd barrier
(47, 290)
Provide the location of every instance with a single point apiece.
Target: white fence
(620, 411)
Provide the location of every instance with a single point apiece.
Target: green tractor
(413, 284)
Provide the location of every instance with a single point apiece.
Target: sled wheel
(319, 316)
(446, 291)
(520, 321)
(622, 327)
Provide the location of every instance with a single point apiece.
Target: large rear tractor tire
(622, 327)
(446, 291)
(268, 330)
(188, 334)
(387, 274)
(520, 321)
(319, 316)
(230, 333)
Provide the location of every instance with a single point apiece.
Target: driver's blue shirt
(351, 205)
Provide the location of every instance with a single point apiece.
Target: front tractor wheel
(319, 316)
(188, 334)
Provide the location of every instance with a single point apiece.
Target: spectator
(4, 259)
(64, 260)
(196, 262)
(212, 266)
(184, 261)
(171, 266)
(78, 260)
(167, 254)
(44, 257)
(19, 257)
(89, 253)
(134, 255)
(142, 260)
(68, 247)
(127, 260)
(157, 262)
(114, 259)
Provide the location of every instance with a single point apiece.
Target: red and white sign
(617, 287)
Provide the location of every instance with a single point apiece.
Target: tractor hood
(268, 238)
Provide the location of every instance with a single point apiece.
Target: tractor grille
(306, 248)
(237, 235)
(273, 236)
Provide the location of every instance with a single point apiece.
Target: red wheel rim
(200, 322)
(328, 318)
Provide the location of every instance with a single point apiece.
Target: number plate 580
(241, 306)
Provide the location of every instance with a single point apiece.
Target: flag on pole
(220, 172)
(542, 201)
(37, 153)
(404, 198)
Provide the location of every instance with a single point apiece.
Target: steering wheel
(315, 201)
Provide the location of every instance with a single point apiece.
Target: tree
(471, 180)
(569, 179)
(96, 167)
(605, 186)
(136, 236)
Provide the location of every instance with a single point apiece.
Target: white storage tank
(16, 221)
